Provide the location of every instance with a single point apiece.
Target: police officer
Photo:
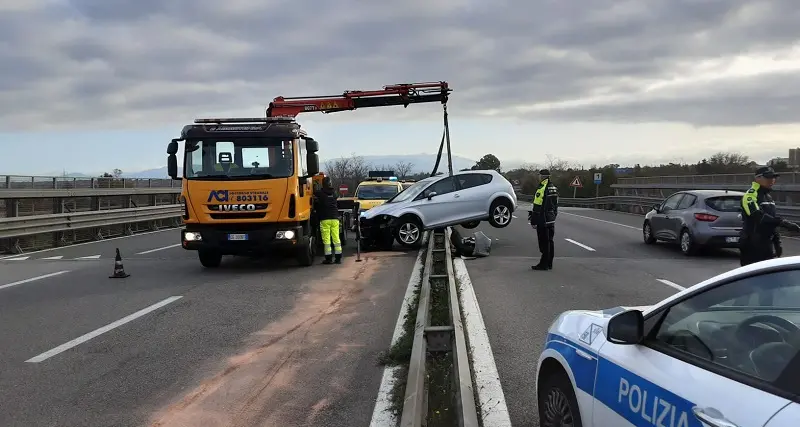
(543, 219)
(328, 215)
(759, 239)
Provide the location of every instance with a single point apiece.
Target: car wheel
(500, 213)
(409, 231)
(688, 246)
(470, 225)
(209, 258)
(647, 233)
(558, 405)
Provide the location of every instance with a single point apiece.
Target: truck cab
(247, 187)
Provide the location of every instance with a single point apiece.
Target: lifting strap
(445, 137)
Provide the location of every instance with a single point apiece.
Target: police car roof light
(392, 178)
(245, 120)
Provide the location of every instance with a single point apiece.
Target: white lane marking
(580, 244)
(96, 241)
(600, 220)
(89, 257)
(491, 398)
(382, 415)
(514, 216)
(54, 257)
(671, 284)
(159, 249)
(83, 338)
(20, 258)
(33, 279)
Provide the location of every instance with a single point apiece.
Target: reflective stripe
(641, 402)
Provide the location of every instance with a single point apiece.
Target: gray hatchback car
(695, 219)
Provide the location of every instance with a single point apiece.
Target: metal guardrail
(641, 205)
(39, 224)
(695, 180)
(61, 182)
(434, 339)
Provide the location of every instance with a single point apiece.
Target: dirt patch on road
(263, 385)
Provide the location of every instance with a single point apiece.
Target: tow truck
(247, 183)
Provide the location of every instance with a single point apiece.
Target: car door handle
(456, 196)
(712, 417)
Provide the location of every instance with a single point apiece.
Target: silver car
(466, 198)
(695, 219)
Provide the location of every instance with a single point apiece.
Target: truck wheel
(307, 252)
(209, 258)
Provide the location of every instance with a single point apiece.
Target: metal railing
(43, 212)
(432, 341)
(640, 205)
(789, 182)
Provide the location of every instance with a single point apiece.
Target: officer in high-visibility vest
(328, 215)
(543, 219)
(759, 239)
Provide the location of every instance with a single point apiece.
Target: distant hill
(421, 162)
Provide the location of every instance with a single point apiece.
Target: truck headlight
(190, 236)
(285, 235)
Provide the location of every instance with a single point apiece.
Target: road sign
(343, 189)
(598, 178)
(576, 182)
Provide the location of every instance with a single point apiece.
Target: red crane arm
(400, 94)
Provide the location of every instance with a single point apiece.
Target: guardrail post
(55, 183)
(8, 181)
(12, 208)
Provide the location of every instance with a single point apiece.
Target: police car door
(698, 361)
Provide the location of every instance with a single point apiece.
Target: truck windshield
(239, 158)
(375, 192)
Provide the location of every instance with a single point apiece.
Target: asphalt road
(252, 343)
(607, 264)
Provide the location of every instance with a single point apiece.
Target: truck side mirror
(312, 146)
(312, 163)
(172, 159)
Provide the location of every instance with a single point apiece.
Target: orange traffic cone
(119, 270)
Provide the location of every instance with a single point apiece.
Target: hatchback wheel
(500, 213)
(688, 246)
(408, 232)
(647, 233)
(558, 406)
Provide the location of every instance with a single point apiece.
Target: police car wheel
(558, 406)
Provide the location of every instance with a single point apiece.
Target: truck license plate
(731, 239)
(237, 236)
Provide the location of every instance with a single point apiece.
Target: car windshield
(411, 192)
(375, 192)
(239, 158)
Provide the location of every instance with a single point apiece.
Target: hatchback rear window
(725, 203)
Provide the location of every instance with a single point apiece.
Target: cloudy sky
(90, 85)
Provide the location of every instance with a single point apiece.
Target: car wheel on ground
(687, 243)
(558, 405)
(408, 231)
(470, 225)
(209, 258)
(500, 213)
(647, 233)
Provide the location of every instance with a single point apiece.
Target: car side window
(487, 178)
(687, 201)
(749, 326)
(443, 186)
(672, 202)
(469, 180)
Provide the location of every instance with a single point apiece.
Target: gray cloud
(98, 62)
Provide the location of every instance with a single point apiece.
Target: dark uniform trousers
(545, 234)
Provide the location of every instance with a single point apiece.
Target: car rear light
(705, 217)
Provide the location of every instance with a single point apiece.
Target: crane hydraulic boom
(399, 94)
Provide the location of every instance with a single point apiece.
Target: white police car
(723, 353)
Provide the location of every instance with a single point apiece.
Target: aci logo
(219, 195)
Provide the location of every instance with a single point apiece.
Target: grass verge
(442, 410)
(399, 353)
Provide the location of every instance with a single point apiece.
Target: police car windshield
(375, 192)
(239, 159)
(411, 192)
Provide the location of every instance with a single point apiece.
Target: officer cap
(544, 172)
(767, 172)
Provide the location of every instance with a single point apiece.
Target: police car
(723, 353)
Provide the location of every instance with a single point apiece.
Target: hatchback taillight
(705, 217)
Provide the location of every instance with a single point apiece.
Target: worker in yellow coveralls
(328, 214)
